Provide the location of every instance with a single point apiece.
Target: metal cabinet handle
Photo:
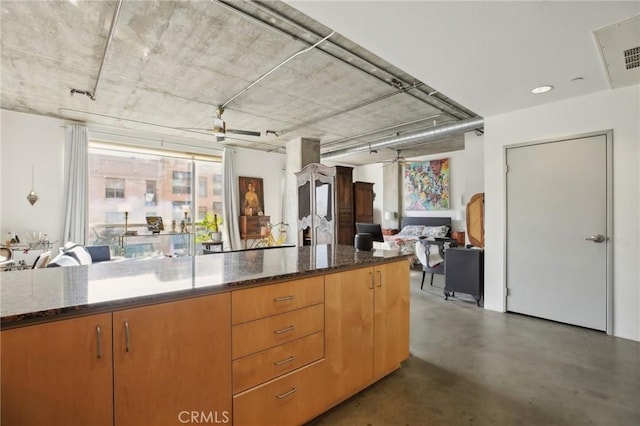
(379, 278)
(284, 330)
(99, 335)
(126, 336)
(372, 281)
(284, 361)
(286, 394)
(283, 299)
(596, 238)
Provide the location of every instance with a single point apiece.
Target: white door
(557, 230)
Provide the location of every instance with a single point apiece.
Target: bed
(414, 228)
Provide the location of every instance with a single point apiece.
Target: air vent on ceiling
(632, 58)
(619, 46)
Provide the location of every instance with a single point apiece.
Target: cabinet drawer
(260, 302)
(263, 366)
(288, 400)
(258, 335)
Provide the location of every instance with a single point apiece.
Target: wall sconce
(32, 196)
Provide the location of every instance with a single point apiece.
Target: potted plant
(211, 224)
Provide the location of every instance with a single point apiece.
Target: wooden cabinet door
(344, 205)
(59, 373)
(349, 331)
(172, 360)
(391, 327)
(363, 202)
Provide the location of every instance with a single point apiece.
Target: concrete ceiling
(169, 64)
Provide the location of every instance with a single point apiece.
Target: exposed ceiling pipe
(434, 101)
(106, 47)
(114, 20)
(411, 137)
(265, 75)
(386, 129)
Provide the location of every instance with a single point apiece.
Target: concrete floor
(469, 366)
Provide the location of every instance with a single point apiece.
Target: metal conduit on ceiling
(411, 137)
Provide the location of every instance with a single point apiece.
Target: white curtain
(76, 184)
(230, 226)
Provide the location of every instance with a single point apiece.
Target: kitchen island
(246, 338)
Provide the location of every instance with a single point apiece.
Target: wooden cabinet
(349, 299)
(277, 341)
(291, 399)
(325, 205)
(367, 325)
(170, 358)
(250, 227)
(316, 221)
(363, 202)
(391, 317)
(344, 205)
(58, 373)
(274, 354)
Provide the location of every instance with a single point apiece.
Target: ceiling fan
(220, 130)
(399, 159)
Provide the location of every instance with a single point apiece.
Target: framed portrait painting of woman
(251, 196)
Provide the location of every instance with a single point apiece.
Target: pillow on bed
(435, 231)
(412, 230)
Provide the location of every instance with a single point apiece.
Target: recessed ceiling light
(541, 89)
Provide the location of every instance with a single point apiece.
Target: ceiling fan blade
(243, 132)
(219, 138)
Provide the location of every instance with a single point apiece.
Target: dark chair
(99, 253)
(435, 256)
(370, 228)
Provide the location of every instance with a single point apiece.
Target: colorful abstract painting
(426, 185)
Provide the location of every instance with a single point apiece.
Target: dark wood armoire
(363, 202)
(344, 205)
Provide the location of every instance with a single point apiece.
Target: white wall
(31, 141)
(39, 141)
(616, 109)
(474, 165)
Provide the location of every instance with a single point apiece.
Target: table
(250, 227)
(207, 246)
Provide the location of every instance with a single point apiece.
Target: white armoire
(316, 204)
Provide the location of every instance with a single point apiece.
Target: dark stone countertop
(39, 295)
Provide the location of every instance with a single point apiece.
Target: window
(217, 184)
(158, 183)
(179, 209)
(151, 196)
(114, 188)
(202, 212)
(114, 217)
(202, 186)
(181, 182)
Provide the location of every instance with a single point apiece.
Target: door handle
(596, 238)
